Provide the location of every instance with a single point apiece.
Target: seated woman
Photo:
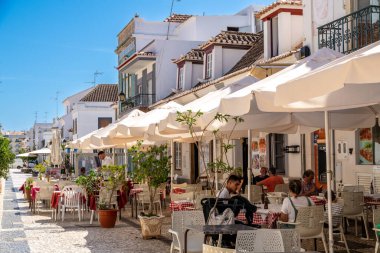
(83, 171)
(290, 204)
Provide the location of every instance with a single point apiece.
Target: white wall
(267, 40)
(349, 166)
(166, 72)
(297, 30)
(87, 115)
(294, 159)
(312, 19)
(153, 28)
(196, 74)
(230, 58)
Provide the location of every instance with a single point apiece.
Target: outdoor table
(372, 199)
(216, 230)
(264, 217)
(180, 205)
(318, 201)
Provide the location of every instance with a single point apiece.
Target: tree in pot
(111, 179)
(151, 166)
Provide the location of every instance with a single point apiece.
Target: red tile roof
(102, 93)
(283, 3)
(195, 55)
(233, 38)
(253, 54)
(177, 18)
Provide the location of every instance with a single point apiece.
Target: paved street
(21, 231)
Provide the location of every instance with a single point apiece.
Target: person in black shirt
(263, 175)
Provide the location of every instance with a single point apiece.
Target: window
(208, 65)
(178, 155)
(103, 122)
(232, 28)
(75, 126)
(180, 79)
(369, 145)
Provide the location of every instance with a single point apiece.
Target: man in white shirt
(232, 186)
(104, 160)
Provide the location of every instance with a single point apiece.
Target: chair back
(182, 196)
(198, 199)
(72, 195)
(260, 240)
(193, 187)
(352, 203)
(63, 183)
(291, 240)
(40, 183)
(181, 219)
(310, 219)
(282, 188)
(353, 188)
(256, 192)
(45, 192)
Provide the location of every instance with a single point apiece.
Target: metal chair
(260, 240)
(180, 220)
(353, 208)
(376, 221)
(282, 188)
(309, 223)
(144, 199)
(291, 240)
(338, 230)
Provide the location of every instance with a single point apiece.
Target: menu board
(258, 153)
(365, 146)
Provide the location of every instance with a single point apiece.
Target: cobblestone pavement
(22, 231)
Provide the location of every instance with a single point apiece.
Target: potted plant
(41, 170)
(112, 177)
(90, 182)
(151, 166)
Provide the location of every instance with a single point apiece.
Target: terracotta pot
(107, 218)
(151, 226)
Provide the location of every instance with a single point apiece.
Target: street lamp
(122, 97)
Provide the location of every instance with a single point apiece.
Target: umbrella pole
(216, 170)
(126, 160)
(249, 170)
(329, 172)
(172, 166)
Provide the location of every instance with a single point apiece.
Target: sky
(50, 49)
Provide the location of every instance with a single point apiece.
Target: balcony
(351, 32)
(141, 101)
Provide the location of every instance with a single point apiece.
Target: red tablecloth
(22, 188)
(55, 199)
(179, 190)
(180, 205)
(34, 191)
(318, 201)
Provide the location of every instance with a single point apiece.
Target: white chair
(282, 188)
(276, 197)
(144, 199)
(353, 208)
(63, 183)
(72, 196)
(291, 240)
(309, 223)
(338, 230)
(44, 194)
(260, 240)
(213, 249)
(376, 221)
(180, 220)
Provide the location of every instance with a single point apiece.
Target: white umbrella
(43, 151)
(26, 155)
(349, 82)
(56, 154)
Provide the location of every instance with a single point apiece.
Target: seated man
(272, 180)
(263, 175)
(232, 186)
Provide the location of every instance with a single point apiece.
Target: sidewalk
(21, 231)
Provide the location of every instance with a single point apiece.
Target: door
(194, 163)
(276, 152)
(245, 162)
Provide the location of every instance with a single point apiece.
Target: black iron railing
(138, 101)
(352, 31)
